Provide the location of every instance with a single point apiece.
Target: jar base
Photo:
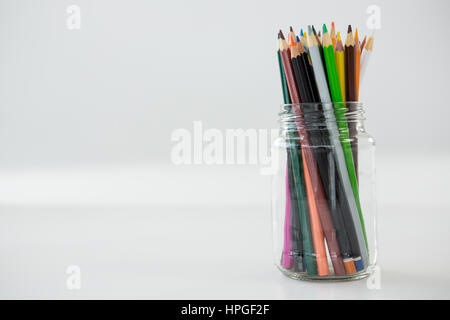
(331, 278)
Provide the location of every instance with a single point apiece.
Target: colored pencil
(340, 64)
(297, 252)
(297, 246)
(363, 43)
(315, 35)
(287, 259)
(306, 39)
(306, 158)
(365, 57)
(350, 65)
(357, 62)
(333, 35)
(351, 203)
(350, 90)
(303, 40)
(315, 215)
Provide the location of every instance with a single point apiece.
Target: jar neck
(321, 116)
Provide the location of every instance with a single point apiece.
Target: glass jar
(323, 202)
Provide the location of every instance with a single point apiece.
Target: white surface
(217, 244)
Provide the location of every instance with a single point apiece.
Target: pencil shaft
(357, 66)
(306, 95)
(340, 66)
(284, 86)
(291, 207)
(365, 57)
(352, 96)
(303, 208)
(351, 73)
(296, 233)
(316, 227)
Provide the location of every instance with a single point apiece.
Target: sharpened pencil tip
(324, 29)
(349, 30)
(281, 35)
(339, 36)
(310, 30)
(314, 30)
(290, 29)
(301, 32)
(356, 33)
(332, 24)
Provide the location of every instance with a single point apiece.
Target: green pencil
(294, 151)
(340, 110)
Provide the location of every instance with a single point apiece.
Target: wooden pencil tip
(281, 35)
(290, 29)
(339, 36)
(356, 33)
(332, 24)
(314, 30)
(349, 29)
(291, 40)
(324, 28)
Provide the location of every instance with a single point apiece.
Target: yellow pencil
(340, 64)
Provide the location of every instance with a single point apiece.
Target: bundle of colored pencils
(323, 217)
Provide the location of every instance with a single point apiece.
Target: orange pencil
(333, 35)
(357, 62)
(316, 227)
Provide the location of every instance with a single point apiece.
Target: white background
(86, 119)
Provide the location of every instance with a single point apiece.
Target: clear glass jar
(323, 205)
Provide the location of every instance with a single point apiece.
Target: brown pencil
(350, 87)
(357, 62)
